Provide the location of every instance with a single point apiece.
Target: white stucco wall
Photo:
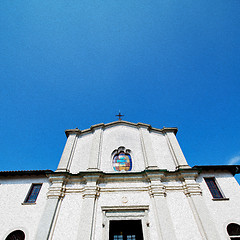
(81, 154)
(162, 152)
(225, 211)
(182, 217)
(115, 136)
(14, 215)
(68, 220)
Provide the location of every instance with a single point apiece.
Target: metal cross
(119, 116)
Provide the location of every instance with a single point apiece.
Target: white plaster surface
(13, 214)
(69, 217)
(182, 217)
(129, 137)
(162, 153)
(82, 153)
(226, 211)
(117, 136)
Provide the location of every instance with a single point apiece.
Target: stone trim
(220, 199)
(121, 122)
(129, 212)
(124, 208)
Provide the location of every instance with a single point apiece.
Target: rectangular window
(125, 230)
(212, 185)
(33, 193)
(118, 237)
(131, 237)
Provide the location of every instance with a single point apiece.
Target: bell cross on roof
(119, 115)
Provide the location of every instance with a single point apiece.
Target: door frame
(137, 212)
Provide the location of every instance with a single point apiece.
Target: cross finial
(119, 116)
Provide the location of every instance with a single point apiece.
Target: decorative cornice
(90, 183)
(147, 175)
(188, 174)
(157, 190)
(90, 192)
(58, 187)
(123, 189)
(125, 208)
(120, 122)
(192, 189)
(73, 131)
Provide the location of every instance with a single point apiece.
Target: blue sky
(68, 64)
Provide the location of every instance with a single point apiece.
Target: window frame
(30, 191)
(217, 188)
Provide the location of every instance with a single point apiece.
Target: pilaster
(95, 149)
(54, 198)
(199, 209)
(148, 153)
(157, 191)
(89, 204)
(68, 152)
(176, 151)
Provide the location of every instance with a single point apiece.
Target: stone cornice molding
(96, 126)
(125, 208)
(156, 187)
(120, 122)
(191, 189)
(57, 187)
(91, 189)
(124, 189)
(190, 186)
(80, 189)
(157, 190)
(148, 175)
(158, 182)
(122, 177)
(73, 131)
(155, 175)
(90, 192)
(190, 174)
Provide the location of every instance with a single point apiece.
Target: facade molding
(121, 122)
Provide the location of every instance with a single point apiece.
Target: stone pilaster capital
(188, 174)
(192, 188)
(156, 187)
(91, 192)
(75, 131)
(155, 176)
(58, 186)
(157, 190)
(59, 178)
(91, 189)
(92, 178)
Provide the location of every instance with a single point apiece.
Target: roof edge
(234, 169)
(25, 172)
(120, 122)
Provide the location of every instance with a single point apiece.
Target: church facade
(121, 181)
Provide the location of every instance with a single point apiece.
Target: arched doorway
(16, 235)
